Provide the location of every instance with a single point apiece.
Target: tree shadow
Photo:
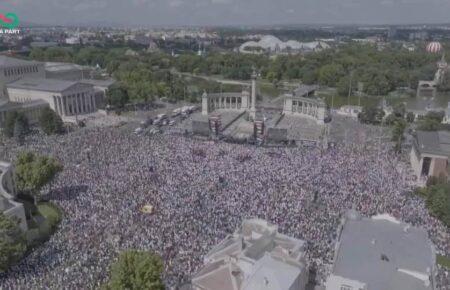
(65, 193)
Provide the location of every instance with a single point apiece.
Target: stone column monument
(253, 105)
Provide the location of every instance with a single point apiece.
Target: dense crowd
(201, 191)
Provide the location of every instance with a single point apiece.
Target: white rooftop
(385, 253)
(255, 257)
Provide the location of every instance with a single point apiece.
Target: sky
(228, 12)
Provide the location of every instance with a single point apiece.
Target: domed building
(272, 44)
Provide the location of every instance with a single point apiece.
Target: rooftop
(256, 255)
(99, 83)
(39, 84)
(6, 61)
(62, 66)
(433, 142)
(385, 254)
(17, 106)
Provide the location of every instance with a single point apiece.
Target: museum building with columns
(67, 98)
(25, 88)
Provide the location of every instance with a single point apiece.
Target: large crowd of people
(201, 191)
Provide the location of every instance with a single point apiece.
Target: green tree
(399, 110)
(10, 121)
(117, 96)
(343, 86)
(371, 115)
(398, 133)
(137, 270)
(33, 172)
(431, 122)
(16, 125)
(438, 201)
(37, 54)
(12, 242)
(330, 74)
(50, 122)
(410, 117)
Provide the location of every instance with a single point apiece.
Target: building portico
(66, 98)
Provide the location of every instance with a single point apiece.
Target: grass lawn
(443, 261)
(270, 90)
(340, 101)
(51, 213)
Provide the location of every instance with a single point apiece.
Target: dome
(293, 44)
(434, 47)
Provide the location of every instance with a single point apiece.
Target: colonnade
(305, 108)
(223, 101)
(74, 104)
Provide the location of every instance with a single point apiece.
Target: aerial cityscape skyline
(225, 144)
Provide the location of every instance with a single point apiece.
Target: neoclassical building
(25, 87)
(67, 98)
(12, 69)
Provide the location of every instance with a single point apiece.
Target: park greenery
(12, 242)
(16, 125)
(371, 114)
(136, 270)
(437, 197)
(432, 122)
(50, 122)
(33, 172)
(348, 68)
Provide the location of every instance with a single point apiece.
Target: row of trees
(147, 75)
(437, 197)
(17, 124)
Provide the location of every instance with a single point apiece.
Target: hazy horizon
(229, 12)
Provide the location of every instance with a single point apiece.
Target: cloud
(219, 12)
(221, 1)
(90, 5)
(176, 3)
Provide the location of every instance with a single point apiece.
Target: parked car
(147, 122)
(176, 112)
